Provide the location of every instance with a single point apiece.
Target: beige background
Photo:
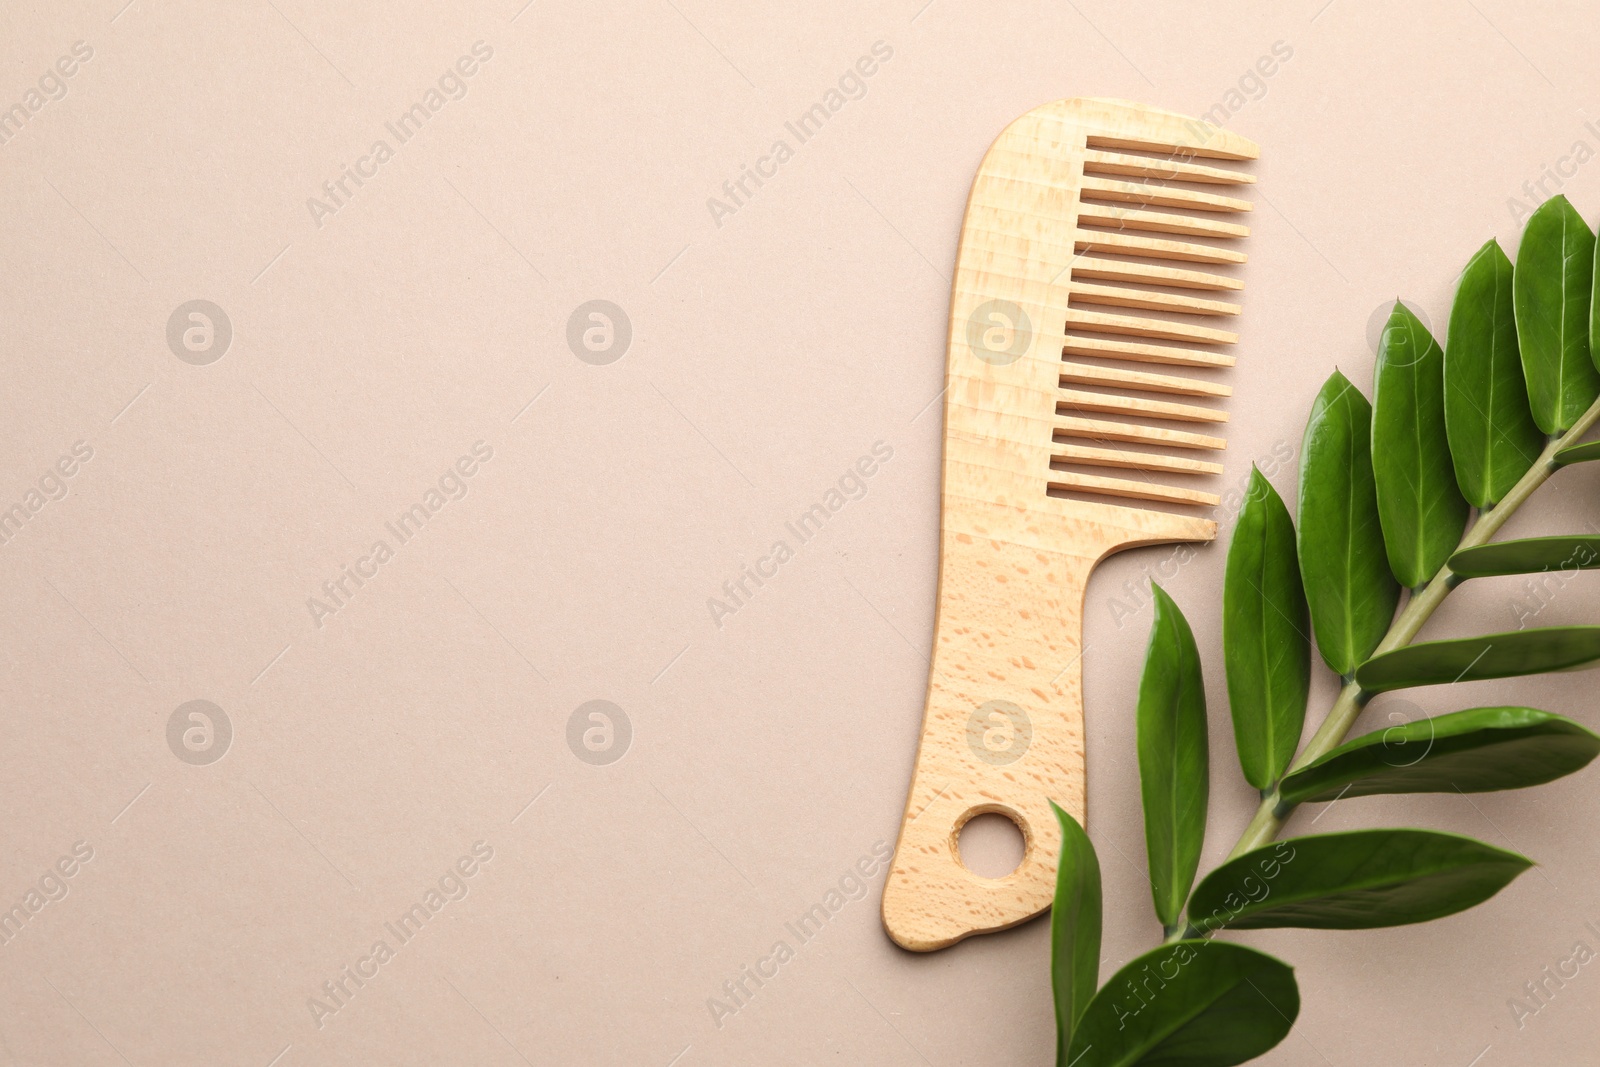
(767, 354)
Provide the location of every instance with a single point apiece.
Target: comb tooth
(1114, 404)
(1082, 373)
(1139, 352)
(1098, 162)
(1153, 247)
(1144, 461)
(1158, 328)
(1117, 296)
(1101, 430)
(1127, 218)
(1093, 483)
(1159, 195)
(1129, 270)
(1130, 141)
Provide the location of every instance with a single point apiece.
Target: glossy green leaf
(1552, 290)
(1493, 438)
(1419, 503)
(1471, 659)
(1074, 930)
(1188, 1004)
(1594, 307)
(1174, 762)
(1266, 641)
(1353, 881)
(1530, 555)
(1351, 593)
(1473, 751)
(1584, 453)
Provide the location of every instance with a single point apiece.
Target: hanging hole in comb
(991, 844)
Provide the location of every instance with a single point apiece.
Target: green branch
(1271, 815)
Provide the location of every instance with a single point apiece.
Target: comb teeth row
(1148, 226)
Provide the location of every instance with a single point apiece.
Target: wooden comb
(1089, 233)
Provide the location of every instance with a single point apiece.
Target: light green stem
(1271, 815)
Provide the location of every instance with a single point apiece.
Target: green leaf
(1421, 507)
(1266, 642)
(1529, 555)
(1074, 930)
(1493, 438)
(1353, 881)
(1173, 757)
(1552, 288)
(1471, 751)
(1348, 585)
(1189, 1004)
(1471, 659)
(1584, 453)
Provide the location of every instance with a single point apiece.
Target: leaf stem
(1271, 815)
